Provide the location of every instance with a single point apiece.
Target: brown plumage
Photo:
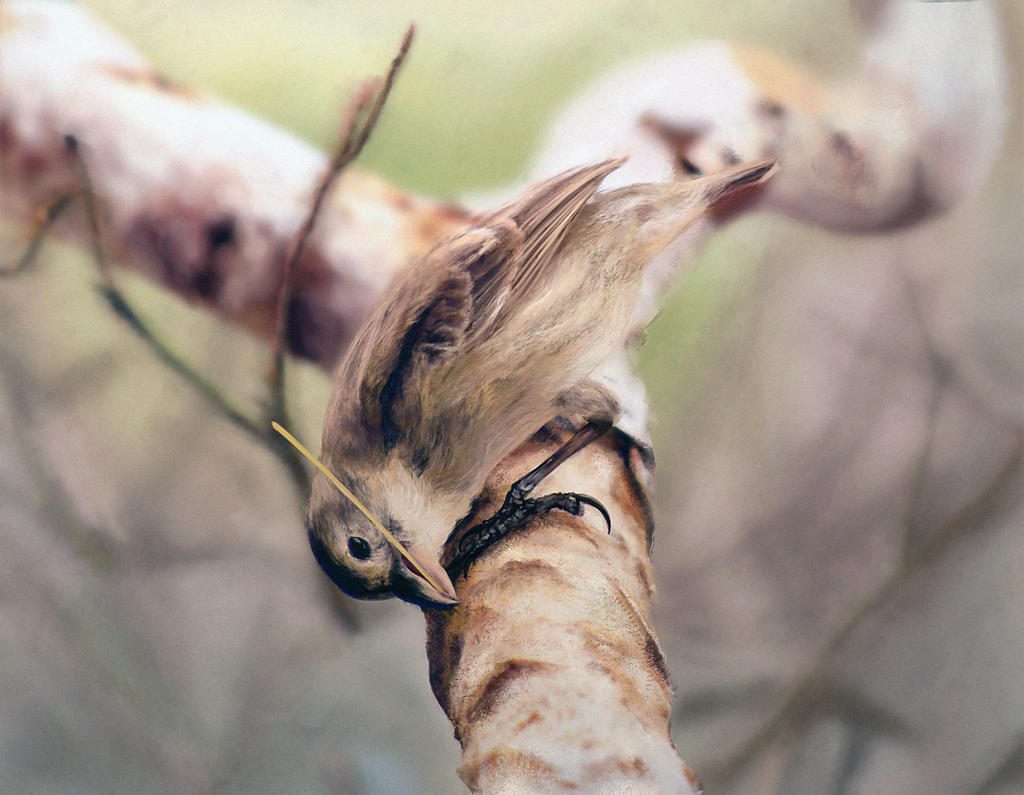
(490, 336)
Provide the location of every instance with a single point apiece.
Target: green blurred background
(483, 79)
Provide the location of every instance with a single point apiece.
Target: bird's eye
(359, 548)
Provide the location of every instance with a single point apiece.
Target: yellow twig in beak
(355, 501)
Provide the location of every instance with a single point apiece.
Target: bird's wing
(421, 320)
(472, 281)
(504, 277)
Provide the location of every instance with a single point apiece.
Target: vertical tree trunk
(549, 668)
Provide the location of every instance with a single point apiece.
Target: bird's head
(368, 555)
(372, 558)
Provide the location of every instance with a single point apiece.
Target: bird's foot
(514, 512)
(519, 506)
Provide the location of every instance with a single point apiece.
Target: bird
(472, 349)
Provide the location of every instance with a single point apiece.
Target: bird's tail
(739, 177)
(733, 188)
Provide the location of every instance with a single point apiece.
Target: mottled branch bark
(549, 668)
(194, 194)
(904, 136)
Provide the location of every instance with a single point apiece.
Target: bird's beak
(409, 583)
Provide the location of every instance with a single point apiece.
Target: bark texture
(905, 135)
(550, 669)
(196, 195)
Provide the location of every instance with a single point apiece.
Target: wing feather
(469, 283)
(542, 217)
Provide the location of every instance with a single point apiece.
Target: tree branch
(195, 195)
(549, 668)
(360, 119)
(905, 136)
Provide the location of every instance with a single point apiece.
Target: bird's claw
(514, 512)
(573, 503)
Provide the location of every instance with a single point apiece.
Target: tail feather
(740, 177)
(541, 219)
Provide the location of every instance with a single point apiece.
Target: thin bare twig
(356, 131)
(92, 215)
(56, 503)
(48, 216)
(117, 301)
(912, 533)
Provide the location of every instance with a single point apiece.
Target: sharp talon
(513, 513)
(572, 503)
(596, 504)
